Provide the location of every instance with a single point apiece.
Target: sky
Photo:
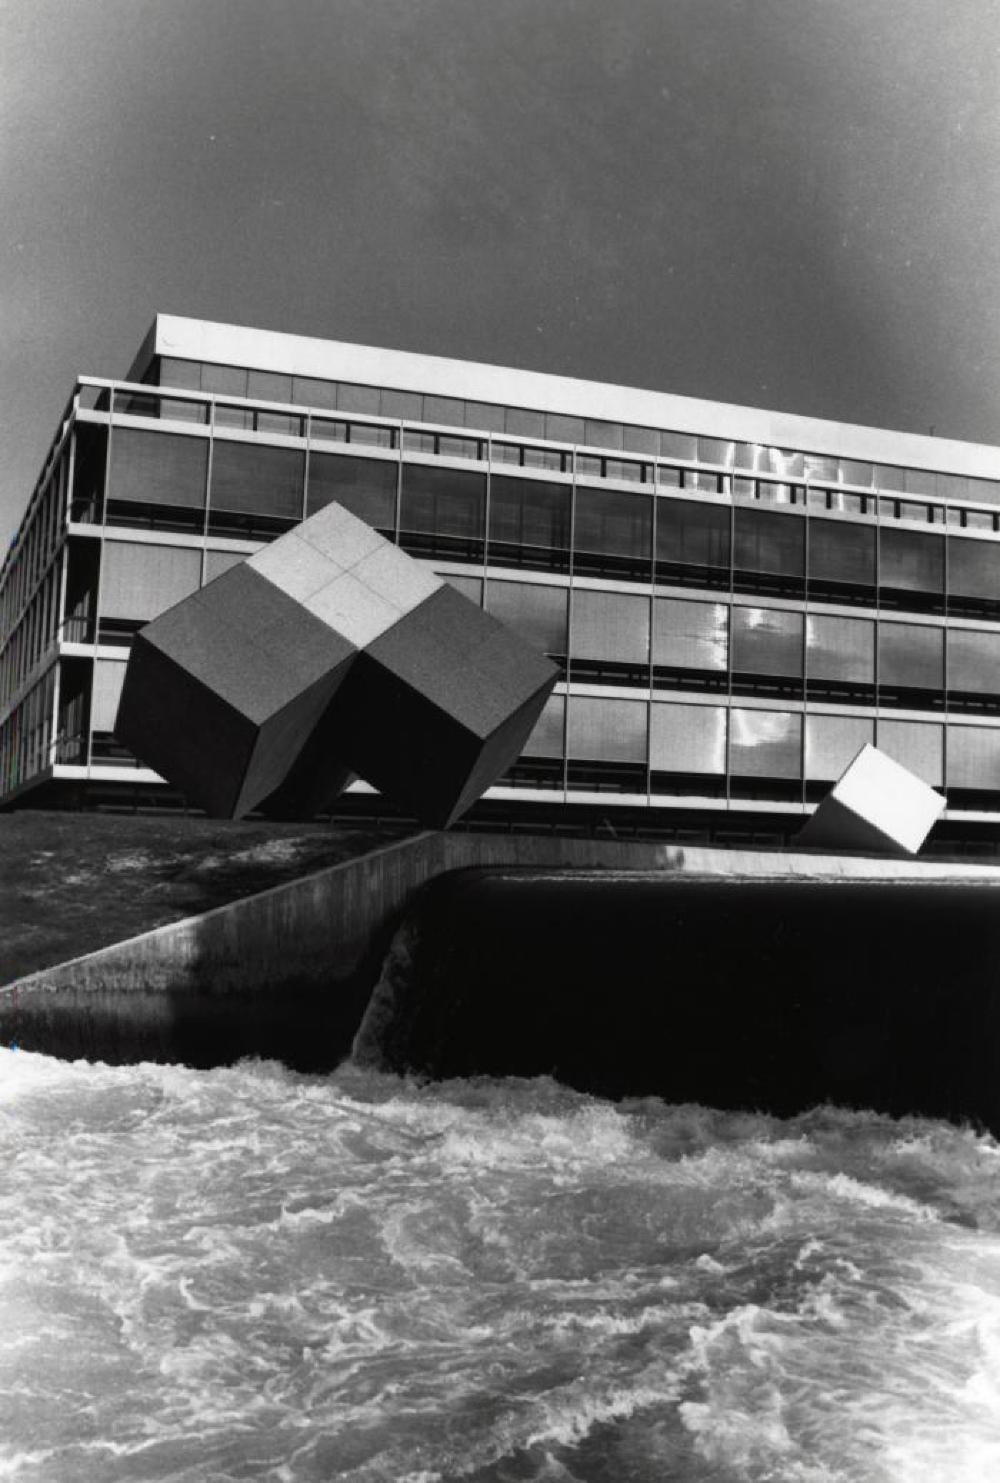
(786, 203)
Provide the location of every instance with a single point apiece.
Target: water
(251, 1274)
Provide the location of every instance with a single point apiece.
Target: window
(613, 532)
(529, 523)
(521, 423)
(109, 676)
(602, 434)
(840, 651)
(679, 445)
(690, 635)
(159, 470)
(832, 742)
(841, 560)
(910, 657)
(446, 410)
(692, 543)
(470, 587)
(911, 568)
(217, 562)
(359, 399)
(767, 642)
(564, 429)
(91, 445)
(227, 381)
(917, 745)
(365, 486)
(973, 661)
(769, 550)
(610, 637)
(307, 391)
(255, 487)
(765, 744)
(546, 740)
(140, 581)
(537, 613)
(402, 404)
(607, 730)
(541, 763)
(974, 758)
(687, 742)
(442, 511)
(973, 575)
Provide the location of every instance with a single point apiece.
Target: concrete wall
(288, 973)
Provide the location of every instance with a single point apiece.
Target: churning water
(250, 1274)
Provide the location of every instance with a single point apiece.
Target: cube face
(876, 805)
(328, 653)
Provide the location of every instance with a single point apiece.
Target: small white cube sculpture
(876, 805)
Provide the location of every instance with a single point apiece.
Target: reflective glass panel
(403, 404)
(765, 743)
(916, 745)
(610, 626)
(973, 758)
(679, 445)
(767, 641)
(537, 613)
(447, 410)
(257, 479)
(690, 635)
(564, 429)
(602, 434)
(547, 739)
(521, 423)
(688, 738)
(768, 542)
(158, 468)
(911, 655)
(832, 742)
(692, 535)
(609, 522)
(603, 730)
(840, 551)
(528, 515)
(140, 581)
(974, 661)
(974, 568)
(310, 392)
(365, 486)
(363, 399)
(109, 676)
(840, 649)
(217, 562)
(443, 501)
(470, 587)
(910, 560)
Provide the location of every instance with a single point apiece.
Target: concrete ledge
(287, 973)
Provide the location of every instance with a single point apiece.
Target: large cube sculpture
(876, 805)
(327, 653)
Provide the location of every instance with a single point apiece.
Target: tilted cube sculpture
(876, 805)
(329, 653)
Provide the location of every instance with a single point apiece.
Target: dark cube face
(439, 706)
(330, 652)
(222, 691)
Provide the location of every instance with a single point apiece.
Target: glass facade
(731, 621)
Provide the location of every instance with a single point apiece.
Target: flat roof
(403, 370)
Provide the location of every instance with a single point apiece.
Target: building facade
(737, 600)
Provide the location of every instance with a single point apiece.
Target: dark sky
(790, 203)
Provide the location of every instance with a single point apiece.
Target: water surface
(251, 1274)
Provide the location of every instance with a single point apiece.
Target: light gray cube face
(327, 653)
(877, 806)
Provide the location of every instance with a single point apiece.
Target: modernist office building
(737, 599)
